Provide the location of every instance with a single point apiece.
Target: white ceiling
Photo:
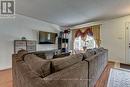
(71, 12)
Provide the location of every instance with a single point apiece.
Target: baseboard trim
(6, 69)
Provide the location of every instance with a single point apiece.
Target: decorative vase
(23, 38)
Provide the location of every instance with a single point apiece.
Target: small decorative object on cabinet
(23, 38)
(28, 45)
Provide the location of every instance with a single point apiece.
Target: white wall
(13, 29)
(112, 36)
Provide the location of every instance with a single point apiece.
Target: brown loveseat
(30, 70)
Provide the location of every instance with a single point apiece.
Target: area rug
(119, 78)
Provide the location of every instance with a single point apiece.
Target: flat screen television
(47, 37)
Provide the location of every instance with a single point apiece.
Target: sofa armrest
(97, 64)
(74, 76)
(26, 77)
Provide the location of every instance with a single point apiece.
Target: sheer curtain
(78, 43)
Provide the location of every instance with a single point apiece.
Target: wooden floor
(6, 77)
(102, 82)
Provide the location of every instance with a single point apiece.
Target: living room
(57, 16)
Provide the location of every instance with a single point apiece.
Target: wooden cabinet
(28, 45)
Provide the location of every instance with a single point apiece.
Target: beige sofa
(30, 70)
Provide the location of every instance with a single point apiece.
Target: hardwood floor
(102, 82)
(6, 77)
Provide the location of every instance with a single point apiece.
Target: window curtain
(83, 34)
(95, 30)
(96, 34)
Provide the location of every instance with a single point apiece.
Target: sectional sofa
(76, 70)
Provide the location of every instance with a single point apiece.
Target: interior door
(128, 43)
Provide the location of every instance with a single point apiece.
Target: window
(89, 43)
(78, 43)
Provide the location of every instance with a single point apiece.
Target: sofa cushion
(21, 54)
(101, 49)
(49, 55)
(89, 53)
(40, 54)
(38, 64)
(64, 62)
(61, 55)
(45, 54)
